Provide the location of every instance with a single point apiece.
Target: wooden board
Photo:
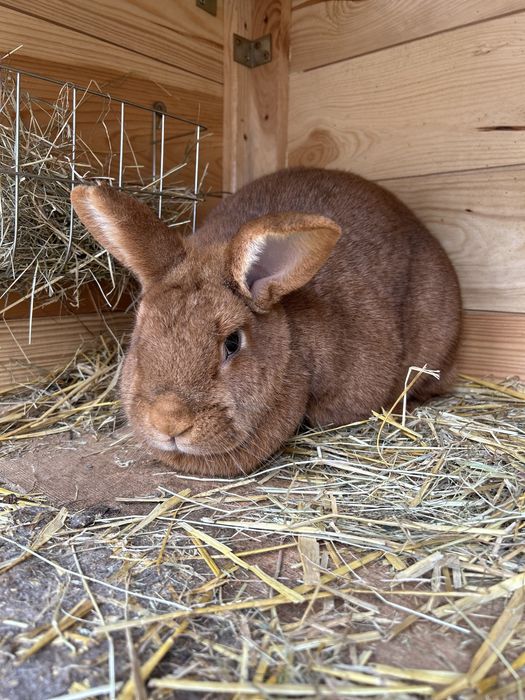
(54, 343)
(479, 217)
(176, 33)
(493, 344)
(70, 55)
(445, 103)
(45, 41)
(255, 99)
(325, 32)
(90, 300)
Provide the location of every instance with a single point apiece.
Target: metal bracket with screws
(209, 6)
(252, 52)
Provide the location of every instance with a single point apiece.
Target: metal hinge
(208, 6)
(252, 52)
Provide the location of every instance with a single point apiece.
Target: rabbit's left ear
(275, 255)
(129, 230)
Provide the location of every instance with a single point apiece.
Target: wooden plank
(54, 343)
(90, 300)
(45, 41)
(177, 33)
(267, 133)
(255, 99)
(479, 217)
(70, 55)
(325, 32)
(493, 344)
(446, 103)
(297, 4)
(236, 115)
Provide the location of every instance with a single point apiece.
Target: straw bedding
(374, 560)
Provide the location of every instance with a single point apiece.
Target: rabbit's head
(212, 351)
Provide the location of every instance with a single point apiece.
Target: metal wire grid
(159, 119)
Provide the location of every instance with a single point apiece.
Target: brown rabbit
(308, 293)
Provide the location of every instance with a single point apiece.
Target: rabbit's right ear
(129, 230)
(279, 253)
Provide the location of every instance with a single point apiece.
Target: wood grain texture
(325, 32)
(445, 103)
(493, 344)
(269, 123)
(297, 4)
(237, 88)
(479, 217)
(54, 343)
(176, 33)
(73, 56)
(255, 99)
(45, 41)
(90, 300)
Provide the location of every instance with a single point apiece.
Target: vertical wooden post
(255, 99)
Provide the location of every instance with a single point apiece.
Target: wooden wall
(425, 96)
(140, 50)
(255, 100)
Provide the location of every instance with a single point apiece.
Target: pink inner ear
(274, 257)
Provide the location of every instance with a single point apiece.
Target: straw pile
(81, 396)
(375, 560)
(48, 255)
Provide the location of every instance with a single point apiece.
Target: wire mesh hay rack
(54, 135)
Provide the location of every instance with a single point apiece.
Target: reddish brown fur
(316, 233)
(333, 350)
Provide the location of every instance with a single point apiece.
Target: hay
(82, 395)
(49, 254)
(374, 560)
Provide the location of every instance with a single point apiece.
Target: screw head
(160, 107)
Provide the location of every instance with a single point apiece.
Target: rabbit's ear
(275, 255)
(129, 230)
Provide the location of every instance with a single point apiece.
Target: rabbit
(306, 295)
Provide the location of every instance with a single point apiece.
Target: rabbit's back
(387, 298)
(378, 231)
(382, 247)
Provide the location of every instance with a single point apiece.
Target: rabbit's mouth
(175, 444)
(165, 445)
(182, 445)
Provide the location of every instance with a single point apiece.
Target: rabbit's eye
(232, 344)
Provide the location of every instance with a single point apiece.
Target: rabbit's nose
(170, 416)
